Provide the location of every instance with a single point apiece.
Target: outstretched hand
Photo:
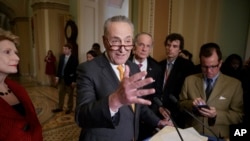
(130, 90)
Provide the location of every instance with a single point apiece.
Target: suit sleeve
(74, 66)
(149, 116)
(90, 111)
(184, 98)
(234, 114)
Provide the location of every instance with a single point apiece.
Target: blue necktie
(209, 87)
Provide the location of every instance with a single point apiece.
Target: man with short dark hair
(66, 78)
(215, 98)
(175, 69)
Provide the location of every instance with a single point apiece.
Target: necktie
(170, 65)
(209, 87)
(140, 65)
(121, 73)
(167, 72)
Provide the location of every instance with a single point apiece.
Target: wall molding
(50, 5)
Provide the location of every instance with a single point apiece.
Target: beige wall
(49, 22)
(201, 21)
(23, 31)
(144, 19)
(161, 27)
(197, 21)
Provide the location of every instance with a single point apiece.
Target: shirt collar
(214, 78)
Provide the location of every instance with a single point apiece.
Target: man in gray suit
(105, 97)
(222, 95)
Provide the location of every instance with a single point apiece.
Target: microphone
(173, 99)
(159, 103)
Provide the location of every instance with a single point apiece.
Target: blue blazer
(69, 70)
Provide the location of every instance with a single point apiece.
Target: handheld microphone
(159, 103)
(173, 99)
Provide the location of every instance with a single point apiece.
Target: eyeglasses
(116, 44)
(210, 67)
(143, 45)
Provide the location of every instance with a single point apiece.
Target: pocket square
(222, 98)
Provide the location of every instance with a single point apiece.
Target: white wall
(91, 17)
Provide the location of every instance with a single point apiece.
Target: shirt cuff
(112, 112)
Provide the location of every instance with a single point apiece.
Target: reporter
(223, 95)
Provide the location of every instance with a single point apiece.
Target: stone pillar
(21, 28)
(49, 20)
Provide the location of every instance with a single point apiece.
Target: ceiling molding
(50, 5)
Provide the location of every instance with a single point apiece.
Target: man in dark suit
(143, 43)
(109, 103)
(175, 70)
(66, 78)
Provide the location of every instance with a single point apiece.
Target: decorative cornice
(50, 5)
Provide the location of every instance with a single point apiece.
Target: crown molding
(49, 5)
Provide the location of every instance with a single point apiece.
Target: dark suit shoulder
(195, 76)
(184, 62)
(163, 62)
(151, 59)
(133, 67)
(99, 61)
(228, 78)
(154, 65)
(179, 63)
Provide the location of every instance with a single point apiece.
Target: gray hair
(143, 33)
(119, 18)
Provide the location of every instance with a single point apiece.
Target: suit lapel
(198, 84)
(217, 87)
(149, 69)
(133, 70)
(110, 75)
(108, 72)
(174, 70)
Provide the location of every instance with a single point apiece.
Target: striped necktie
(209, 87)
(167, 72)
